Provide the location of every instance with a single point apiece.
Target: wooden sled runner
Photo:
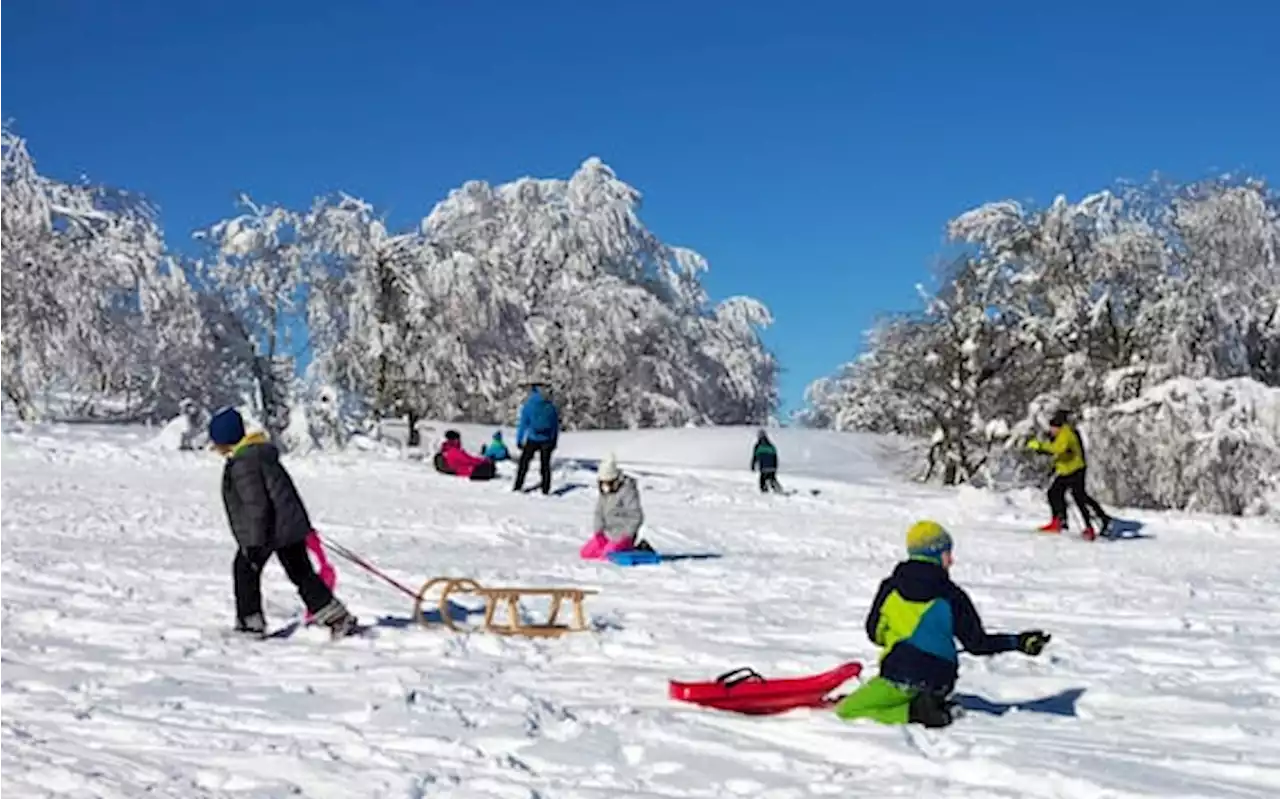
(508, 597)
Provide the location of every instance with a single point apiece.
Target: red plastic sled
(746, 691)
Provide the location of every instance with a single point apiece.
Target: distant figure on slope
(916, 615)
(453, 459)
(1069, 462)
(267, 516)
(765, 458)
(537, 434)
(496, 449)
(618, 514)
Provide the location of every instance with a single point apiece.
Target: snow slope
(1163, 678)
(722, 451)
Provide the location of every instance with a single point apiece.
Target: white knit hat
(608, 469)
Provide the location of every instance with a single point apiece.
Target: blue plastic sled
(635, 557)
(641, 557)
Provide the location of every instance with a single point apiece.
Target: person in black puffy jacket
(267, 517)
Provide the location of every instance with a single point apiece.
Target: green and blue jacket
(917, 615)
(764, 456)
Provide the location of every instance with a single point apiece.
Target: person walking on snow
(267, 517)
(1069, 462)
(537, 434)
(917, 614)
(618, 515)
(765, 458)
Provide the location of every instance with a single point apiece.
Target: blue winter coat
(495, 450)
(539, 421)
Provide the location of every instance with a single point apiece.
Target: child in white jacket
(618, 515)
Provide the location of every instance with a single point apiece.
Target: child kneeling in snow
(267, 517)
(618, 514)
(916, 615)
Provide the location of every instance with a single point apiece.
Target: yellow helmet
(929, 539)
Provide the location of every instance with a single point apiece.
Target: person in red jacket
(453, 459)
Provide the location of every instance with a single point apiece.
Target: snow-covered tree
(95, 316)
(1206, 445)
(258, 276)
(34, 317)
(560, 281)
(1220, 313)
(1062, 307)
(364, 326)
(554, 280)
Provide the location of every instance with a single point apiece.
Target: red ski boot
(1088, 534)
(1054, 526)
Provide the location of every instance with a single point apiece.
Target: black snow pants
(769, 481)
(297, 565)
(543, 450)
(1075, 483)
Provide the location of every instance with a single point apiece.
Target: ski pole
(362, 563)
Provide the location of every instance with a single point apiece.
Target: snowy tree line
(554, 280)
(1152, 312)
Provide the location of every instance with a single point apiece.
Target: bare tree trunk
(415, 438)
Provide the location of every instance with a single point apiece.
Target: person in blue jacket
(496, 449)
(537, 434)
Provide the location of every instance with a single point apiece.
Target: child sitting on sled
(267, 517)
(916, 615)
(618, 514)
(453, 459)
(496, 449)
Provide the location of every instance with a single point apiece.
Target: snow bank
(1205, 445)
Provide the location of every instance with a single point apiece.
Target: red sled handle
(739, 676)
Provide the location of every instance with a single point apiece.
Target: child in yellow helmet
(916, 617)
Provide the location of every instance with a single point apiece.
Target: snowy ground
(1163, 678)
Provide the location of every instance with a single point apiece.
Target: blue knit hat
(226, 427)
(928, 540)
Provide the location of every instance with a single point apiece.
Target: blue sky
(811, 151)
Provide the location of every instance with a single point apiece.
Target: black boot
(252, 626)
(931, 710)
(341, 628)
(338, 619)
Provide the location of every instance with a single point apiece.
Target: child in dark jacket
(267, 517)
(916, 615)
(765, 457)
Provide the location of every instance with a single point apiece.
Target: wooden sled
(508, 597)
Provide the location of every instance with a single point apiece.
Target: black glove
(1032, 642)
(257, 556)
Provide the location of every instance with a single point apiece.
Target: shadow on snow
(1060, 704)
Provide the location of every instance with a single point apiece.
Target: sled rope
(369, 567)
(507, 597)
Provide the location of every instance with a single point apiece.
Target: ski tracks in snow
(119, 678)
